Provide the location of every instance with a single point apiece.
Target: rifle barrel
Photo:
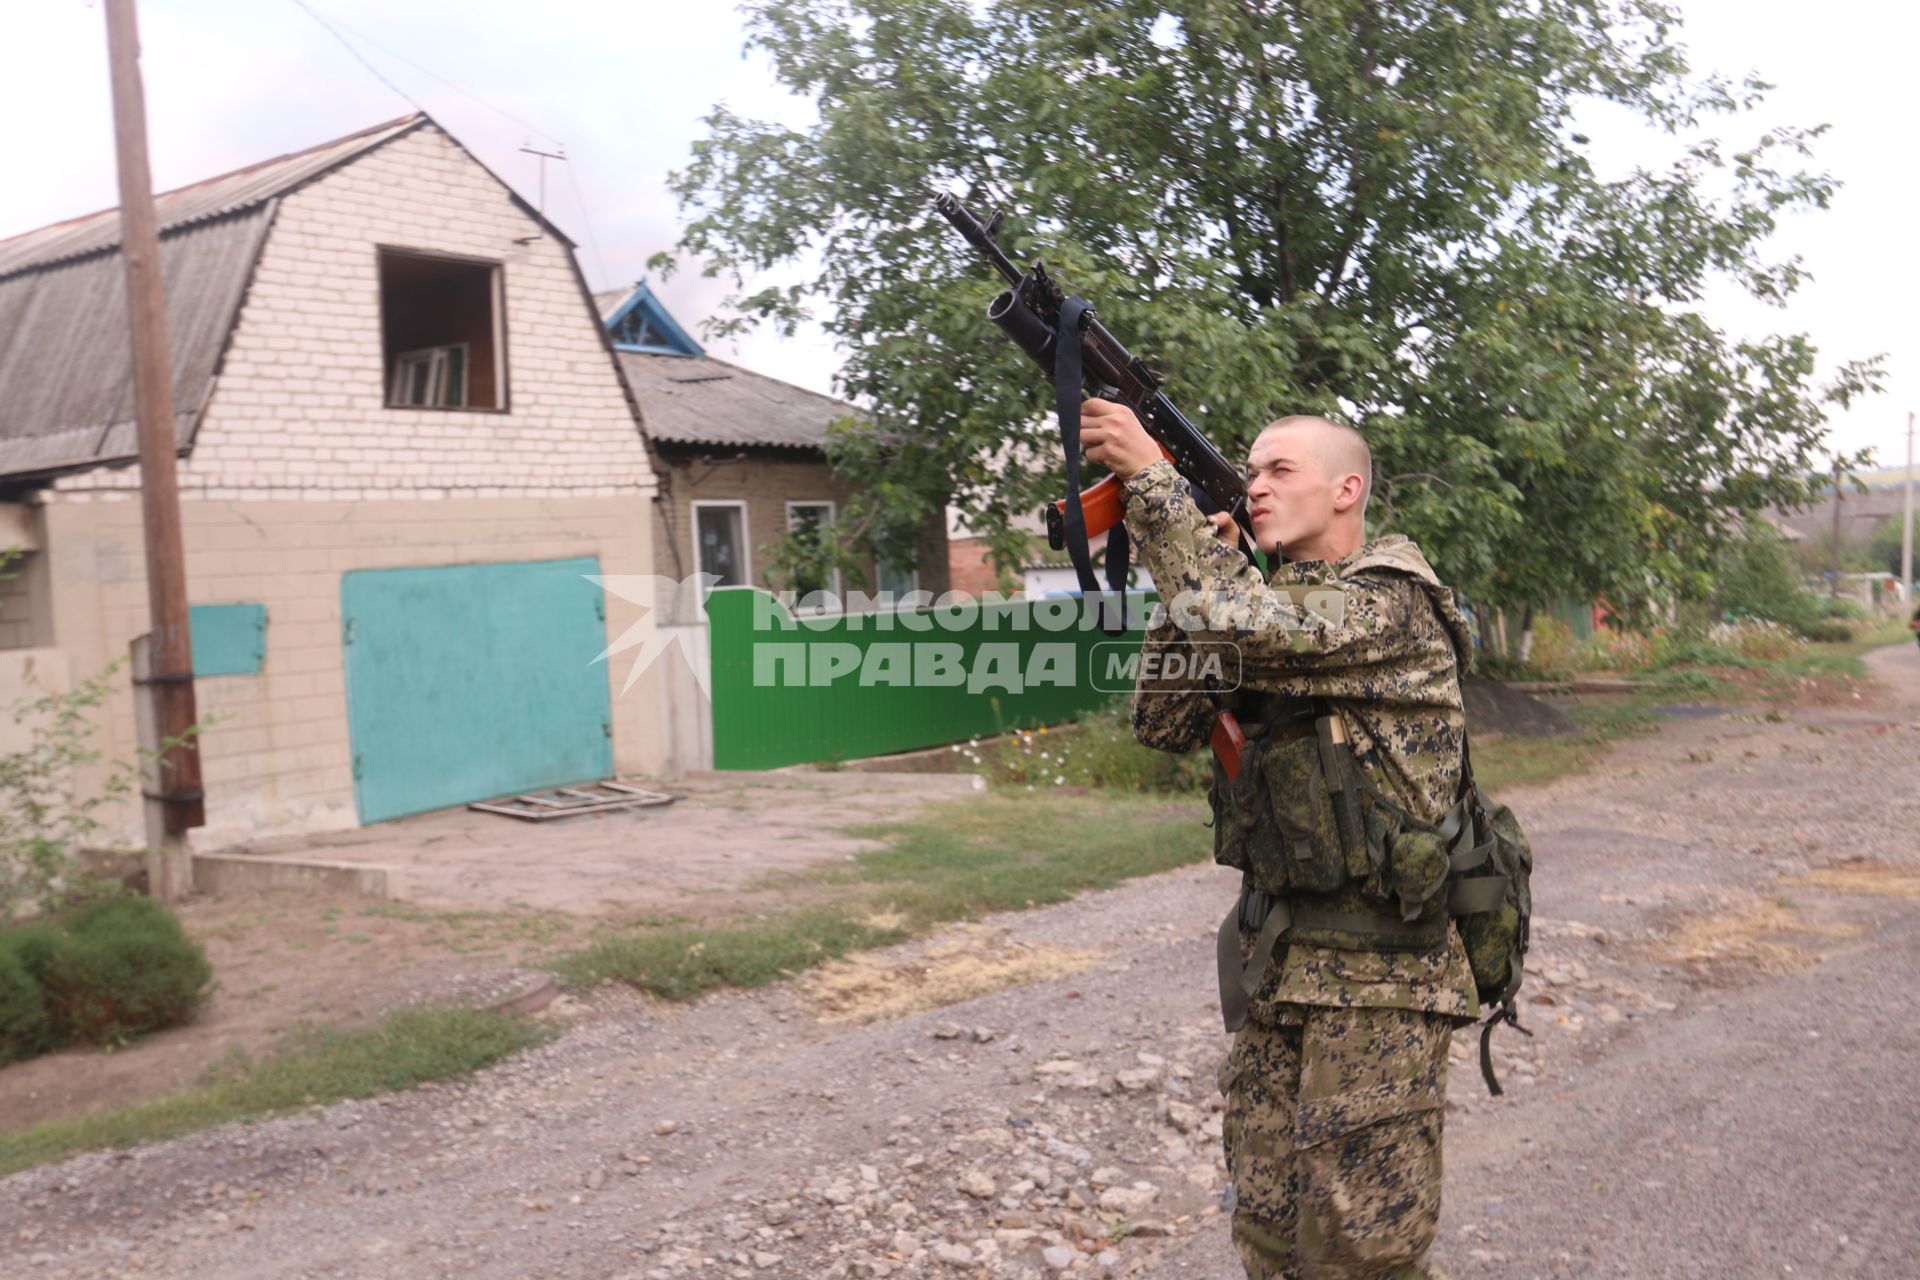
(976, 233)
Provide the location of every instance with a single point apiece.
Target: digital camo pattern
(1332, 1134)
(1387, 666)
(1301, 977)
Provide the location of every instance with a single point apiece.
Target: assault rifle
(1078, 353)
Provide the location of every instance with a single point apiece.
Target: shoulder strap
(1111, 601)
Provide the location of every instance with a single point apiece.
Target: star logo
(670, 611)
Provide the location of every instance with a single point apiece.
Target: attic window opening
(442, 328)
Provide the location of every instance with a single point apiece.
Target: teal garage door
(470, 681)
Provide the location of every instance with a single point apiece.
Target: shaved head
(1339, 449)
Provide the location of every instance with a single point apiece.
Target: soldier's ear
(1353, 487)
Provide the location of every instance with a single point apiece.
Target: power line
(335, 27)
(593, 241)
(340, 31)
(347, 44)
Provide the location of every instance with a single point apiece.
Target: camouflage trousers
(1333, 1143)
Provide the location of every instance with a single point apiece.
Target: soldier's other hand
(1113, 437)
(1225, 528)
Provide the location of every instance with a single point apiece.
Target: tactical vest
(1302, 823)
(1326, 859)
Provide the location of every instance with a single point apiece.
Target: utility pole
(1833, 552)
(1906, 524)
(173, 791)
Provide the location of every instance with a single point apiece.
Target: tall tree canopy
(1375, 210)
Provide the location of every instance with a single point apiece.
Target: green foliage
(1755, 640)
(1098, 751)
(1508, 760)
(1697, 651)
(107, 972)
(681, 963)
(1375, 209)
(1828, 631)
(1558, 654)
(25, 1028)
(999, 852)
(43, 822)
(1882, 551)
(1757, 578)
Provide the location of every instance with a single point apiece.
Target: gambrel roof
(66, 363)
(66, 378)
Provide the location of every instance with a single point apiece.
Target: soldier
(1344, 996)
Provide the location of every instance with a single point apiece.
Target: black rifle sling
(1067, 383)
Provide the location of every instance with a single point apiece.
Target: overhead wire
(335, 27)
(340, 31)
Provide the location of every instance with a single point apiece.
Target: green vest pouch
(1496, 937)
(1302, 822)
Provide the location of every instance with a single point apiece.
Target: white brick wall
(299, 409)
(299, 474)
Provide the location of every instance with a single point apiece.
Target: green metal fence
(793, 691)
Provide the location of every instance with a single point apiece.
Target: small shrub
(1625, 650)
(1682, 682)
(1558, 654)
(1757, 578)
(1829, 631)
(1754, 640)
(1696, 651)
(125, 967)
(1099, 751)
(34, 945)
(1839, 607)
(25, 1028)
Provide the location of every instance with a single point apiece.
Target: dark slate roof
(198, 202)
(697, 400)
(66, 381)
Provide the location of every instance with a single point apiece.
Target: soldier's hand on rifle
(1113, 437)
(1225, 528)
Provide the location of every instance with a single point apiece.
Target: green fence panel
(1577, 614)
(843, 687)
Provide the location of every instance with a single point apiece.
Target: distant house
(405, 444)
(739, 460)
(1044, 571)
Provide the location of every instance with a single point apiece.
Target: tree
(1372, 209)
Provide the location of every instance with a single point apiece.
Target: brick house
(1043, 572)
(739, 460)
(404, 441)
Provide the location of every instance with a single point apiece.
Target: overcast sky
(623, 84)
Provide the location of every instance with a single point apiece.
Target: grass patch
(958, 861)
(317, 1066)
(1515, 761)
(466, 932)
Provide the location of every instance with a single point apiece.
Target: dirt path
(1720, 1085)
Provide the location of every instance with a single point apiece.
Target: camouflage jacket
(1387, 666)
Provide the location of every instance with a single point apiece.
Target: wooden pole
(1833, 548)
(170, 673)
(1906, 524)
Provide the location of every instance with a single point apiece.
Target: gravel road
(1720, 1082)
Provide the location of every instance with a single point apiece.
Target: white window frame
(833, 586)
(746, 535)
(435, 358)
